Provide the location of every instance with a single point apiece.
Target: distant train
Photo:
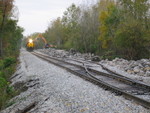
(30, 45)
(38, 43)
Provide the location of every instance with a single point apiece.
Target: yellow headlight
(30, 40)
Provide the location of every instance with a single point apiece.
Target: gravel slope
(58, 91)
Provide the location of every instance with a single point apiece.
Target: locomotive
(37, 43)
(30, 45)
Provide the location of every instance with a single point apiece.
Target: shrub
(8, 61)
(1, 64)
(3, 83)
(6, 92)
(2, 74)
(9, 71)
(7, 67)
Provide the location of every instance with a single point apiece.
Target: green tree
(6, 7)
(55, 33)
(132, 35)
(70, 24)
(109, 20)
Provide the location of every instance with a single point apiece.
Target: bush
(3, 83)
(8, 61)
(6, 92)
(7, 67)
(9, 71)
(2, 74)
(1, 64)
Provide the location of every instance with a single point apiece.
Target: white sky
(36, 15)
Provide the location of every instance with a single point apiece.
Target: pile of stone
(139, 67)
(71, 53)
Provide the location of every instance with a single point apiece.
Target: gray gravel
(59, 91)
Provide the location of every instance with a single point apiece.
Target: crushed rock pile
(66, 54)
(139, 67)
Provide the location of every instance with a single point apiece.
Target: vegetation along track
(118, 84)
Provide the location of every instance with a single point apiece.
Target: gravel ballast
(58, 91)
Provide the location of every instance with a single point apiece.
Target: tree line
(109, 28)
(10, 32)
(10, 39)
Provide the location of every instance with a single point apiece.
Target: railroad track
(116, 83)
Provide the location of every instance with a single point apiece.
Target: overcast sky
(36, 15)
